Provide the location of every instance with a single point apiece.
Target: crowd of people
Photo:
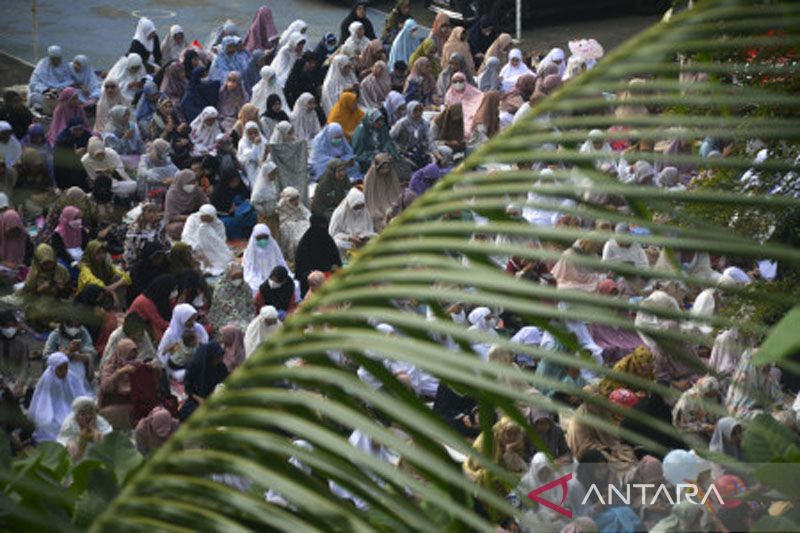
(161, 219)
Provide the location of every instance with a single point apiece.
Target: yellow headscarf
(346, 113)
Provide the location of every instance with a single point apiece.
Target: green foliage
(44, 491)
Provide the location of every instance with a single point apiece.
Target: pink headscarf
(470, 99)
(72, 237)
(233, 339)
(262, 30)
(154, 429)
(63, 112)
(12, 250)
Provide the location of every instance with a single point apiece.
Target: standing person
(357, 14)
(261, 256)
(262, 32)
(53, 396)
(146, 44)
(205, 370)
(316, 251)
(174, 45)
(50, 75)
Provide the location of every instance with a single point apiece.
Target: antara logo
(683, 491)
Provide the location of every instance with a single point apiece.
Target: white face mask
(459, 86)
(189, 188)
(459, 318)
(76, 223)
(237, 282)
(8, 332)
(173, 295)
(273, 284)
(72, 331)
(198, 301)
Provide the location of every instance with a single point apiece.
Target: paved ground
(102, 29)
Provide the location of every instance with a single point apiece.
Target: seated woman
(46, 281)
(252, 150)
(82, 427)
(638, 363)
(351, 222)
(420, 85)
(278, 291)
(316, 252)
(70, 147)
(167, 126)
(100, 159)
(346, 113)
(376, 86)
(154, 304)
(95, 305)
(156, 169)
(153, 430)
(127, 386)
(332, 188)
(122, 135)
(231, 200)
(583, 437)
(261, 256)
(371, 138)
(264, 198)
(413, 137)
(205, 233)
(694, 414)
(73, 340)
(260, 328)
(145, 229)
(293, 218)
(184, 317)
(50, 76)
(381, 189)
(134, 328)
(232, 96)
(616, 342)
(232, 301)
(183, 198)
(96, 268)
(204, 372)
(16, 370)
(486, 122)
(16, 248)
(329, 144)
(447, 128)
(274, 114)
(70, 237)
(53, 396)
(508, 450)
(205, 129)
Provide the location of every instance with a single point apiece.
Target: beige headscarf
(456, 44)
(381, 192)
(497, 49)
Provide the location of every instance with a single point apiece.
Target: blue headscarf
(323, 150)
(252, 73)
(620, 519)
(224, 62)
(145, 108)
(405, 44)
(86, 77)
(199, 94)
(325, 47)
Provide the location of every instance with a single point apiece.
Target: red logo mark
(560, 482)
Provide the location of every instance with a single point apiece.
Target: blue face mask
(336, 141)
(262, 242)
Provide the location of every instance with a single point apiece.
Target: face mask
(8, 332)
(173, 295)
(459, 86)
(198, 301)
(262, 242)
(188, 188)
(237, 282)
(273, 284)
(459, 318)
(75, 224)
(71, 331)
(336, 141)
